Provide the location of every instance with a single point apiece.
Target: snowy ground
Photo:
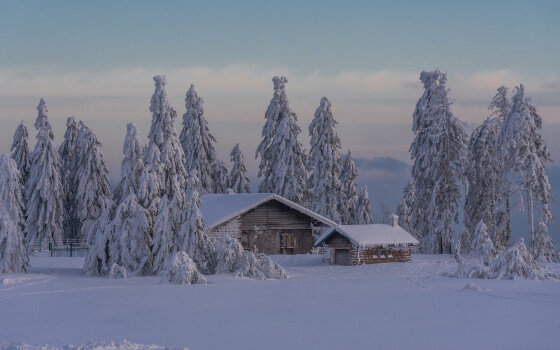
(394, 306)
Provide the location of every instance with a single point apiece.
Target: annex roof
(221, 208)
(365, 236)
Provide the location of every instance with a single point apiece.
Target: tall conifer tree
(325, 163)
(438, 151)
(349, 198)
(282, 156)
(238, 180)
(44, 194)
(198, 142)
(13, 250)
(20, 152)
(525, 157)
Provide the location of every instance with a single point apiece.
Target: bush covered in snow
(182, 270)
(542, 246)
(514, 263)
(270, 268)
(232, 259)
(228, 252)
(482, 247)
(117, 272)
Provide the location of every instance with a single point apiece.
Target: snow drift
(94, 345)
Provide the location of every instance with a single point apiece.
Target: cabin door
(342, 257)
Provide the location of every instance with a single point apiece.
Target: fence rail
(70, 249)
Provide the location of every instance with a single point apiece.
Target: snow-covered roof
(221, 208)
(365, 236)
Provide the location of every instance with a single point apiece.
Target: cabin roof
(364, 236)
(221, 208)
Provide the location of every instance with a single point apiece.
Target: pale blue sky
(461, 36)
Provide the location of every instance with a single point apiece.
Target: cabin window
(286, 240)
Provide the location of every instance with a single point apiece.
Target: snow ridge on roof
(365, 236)
(220, 208)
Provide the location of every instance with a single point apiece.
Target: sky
(95, 60)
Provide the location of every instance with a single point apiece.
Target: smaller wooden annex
(367, 244)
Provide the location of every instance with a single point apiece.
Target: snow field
(395, 306)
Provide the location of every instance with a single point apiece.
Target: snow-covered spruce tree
(525, 156)
(44, 194)
(349, 196)
(325, 163)
(132, 164)
(482, 247)
(404, 209)
(289, 173)
(121, 235)
(20, 152)
(92, 182)
(192, 238)
(238, 180)
(486, 199)
(501, 236)
(68, 147)
(164, 242)
(543, 246)
(438, 151)
(68, 151)
(164, 173)
(483, 178)
(198, 142)
(282, 156)
(278, 105)
(101, 252)
(421, 122)
(363, 207)
(220, 177)
(130, 235)
(13, 250)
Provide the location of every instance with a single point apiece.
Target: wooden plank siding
(264, 225)
(370, 255)
(261, 228)
(275, 216)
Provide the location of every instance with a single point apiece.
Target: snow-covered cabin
(265, 222)
(367, 244)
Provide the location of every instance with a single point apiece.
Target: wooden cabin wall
(274, 215)
(372, 256)
(338, 241)
(261, 229)
(367, 255)
(231, 228)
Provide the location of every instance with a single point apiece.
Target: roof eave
(280, 199)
